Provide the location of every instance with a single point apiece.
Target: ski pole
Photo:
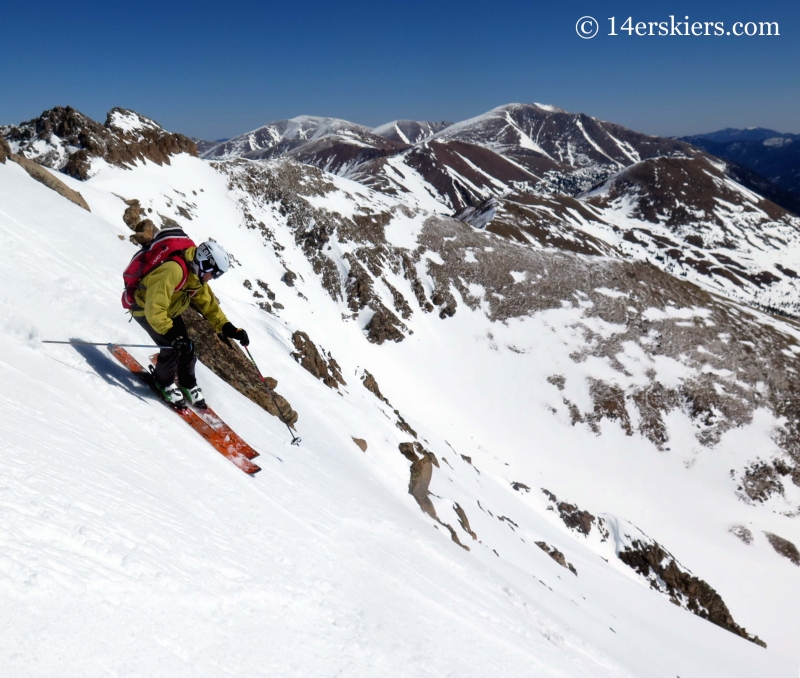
(103, 343)
(295, 439)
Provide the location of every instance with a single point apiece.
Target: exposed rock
(362, 444)
(573, 517)
(761, 480)
(383, 326)
(145, 231)
(453, 534)
(371, 384)
(51, 181)
(5, 151)
(415, 451)
(232, 366)
(655, 563)
(520, 487)
(556, 555)
(309, 357)
(742, 533)
(403, 425)
(783, 546)
(421, 473)
(133, 214)
(462, 518)
(289, 277)
(65, 139)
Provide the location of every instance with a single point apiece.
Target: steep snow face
(130, 122)
(510, 368)
(410, 131)
(284, 135)
(532, 133)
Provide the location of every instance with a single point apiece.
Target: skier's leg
(186, 361)
(167, 366)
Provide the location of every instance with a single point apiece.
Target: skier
(166, 292)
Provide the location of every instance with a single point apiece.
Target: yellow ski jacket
(159, 302)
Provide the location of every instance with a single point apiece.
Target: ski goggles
(209, 266)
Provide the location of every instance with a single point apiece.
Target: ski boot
(172, 394)
(195, 397)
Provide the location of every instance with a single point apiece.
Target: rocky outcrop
(144, 230)
(316, 361)
(51, 181)
(5, 151)
(556, 555)
(361, 443)
(572, 516)
(783, 546)
(64, 139)
(370, 383)
(654, 563)
(741, 532)
(422, 463)
(231, 365)
(421, 473)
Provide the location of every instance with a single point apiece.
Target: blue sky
(214, 69)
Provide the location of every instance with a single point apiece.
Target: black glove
(183, 345)
(229, 331)
(180, 342)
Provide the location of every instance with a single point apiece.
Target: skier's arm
(205, 302)
(161, 284)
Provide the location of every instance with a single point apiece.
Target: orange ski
(226, 433)
(219, 440)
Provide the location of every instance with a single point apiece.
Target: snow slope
(130, 548)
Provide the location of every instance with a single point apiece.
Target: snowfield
(130, 548)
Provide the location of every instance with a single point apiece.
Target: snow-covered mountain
(410, 131)
(516, 458)
(774, 155)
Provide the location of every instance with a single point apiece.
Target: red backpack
(168, 245)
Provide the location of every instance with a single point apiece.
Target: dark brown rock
(5, 151)
(556, 555)
(231, 365)
(383, 327)
(462, 518)
(370, 383)
(362, 444)
(783, 546)
(652, 559)
(310, 358)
